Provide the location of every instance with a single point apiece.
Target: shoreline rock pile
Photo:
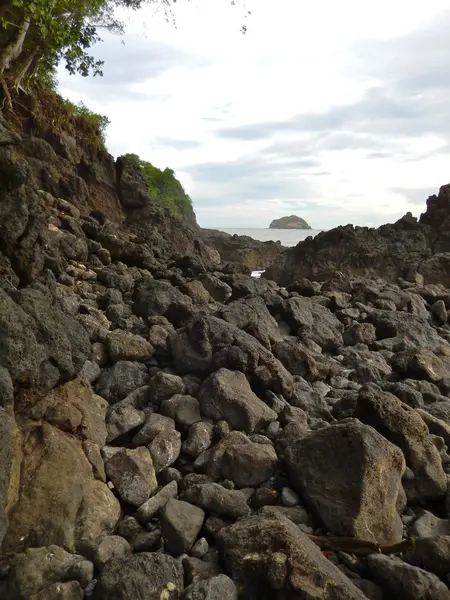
(173, 429)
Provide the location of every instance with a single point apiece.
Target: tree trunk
(24, 69)
(13, 50)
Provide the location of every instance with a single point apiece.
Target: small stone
(154, 424)
(200, 548)
(289, 497)
(184, 410)
(122, 419)
(215, 499)
(180, 524)
(163, 386)
(199, 439)
(112, 546)
(165, 448)
(153, 505)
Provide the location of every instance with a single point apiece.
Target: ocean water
(288, 237)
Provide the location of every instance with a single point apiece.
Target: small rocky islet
(173, 429)
(291, 222)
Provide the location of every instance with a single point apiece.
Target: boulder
(404, 581)
(206, 344)
(267, 556)
(133, 475)
(405, 428)
(249, 464)
(124, 377)
(351, 477)
(36, 569)
(216, 499)
(141, 576)
(180, 525)
(227, 395)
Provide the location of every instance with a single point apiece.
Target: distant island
(291, 222)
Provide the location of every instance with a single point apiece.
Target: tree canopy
(36, 35)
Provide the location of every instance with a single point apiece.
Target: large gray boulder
(227, 395)
(351, 477)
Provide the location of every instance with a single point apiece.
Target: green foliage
(164, 188)
(92, 119)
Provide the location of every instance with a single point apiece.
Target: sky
(338, 112)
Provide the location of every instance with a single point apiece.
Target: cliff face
(291, 222)
(401, 249)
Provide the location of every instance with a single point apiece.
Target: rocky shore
(174, 429)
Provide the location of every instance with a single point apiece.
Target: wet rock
(215, 499)
(404, 581)
(156, 503)
(360, 499)
(142, 576)
(249, 464)
(180, 525)
(227, 395)
(124, 377)
(220, 587)
(123, 345)
(133, 475)
(165, 448)
(267, 556)
(407, 430)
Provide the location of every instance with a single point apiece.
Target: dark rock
(220, 587)
(284, 562)
(122, 419)
(154, 424)
(153, 297)
(431, 554)
(112, 546)
(427, 525)
(406, 429)
(199, 438)
(123, 345)
(142, 576)
(164, 385)
(215, 499)
(227, 395)
(249, 464)
(180, 525)
(124, 377)
(133, 475)
(207, 344)
(351, 477)
(404, 581)
(165, 448)
(313, 321)
(360, 333)
(185, 410)
(36, 569)
(156, 503)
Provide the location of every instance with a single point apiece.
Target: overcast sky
(338, 111)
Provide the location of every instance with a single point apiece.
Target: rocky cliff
(171, 429)
(402, 249)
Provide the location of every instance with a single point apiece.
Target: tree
(36, 35)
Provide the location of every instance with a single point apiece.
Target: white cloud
(334, 110)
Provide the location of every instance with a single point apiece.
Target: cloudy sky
(336, 111)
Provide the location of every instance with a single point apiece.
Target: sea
(287, 237)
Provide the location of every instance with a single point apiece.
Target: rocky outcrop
(399, 250)
(242, 249)
(172, 428)
(291, 222)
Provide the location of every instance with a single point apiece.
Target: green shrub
(92, 119)
(164, 188)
